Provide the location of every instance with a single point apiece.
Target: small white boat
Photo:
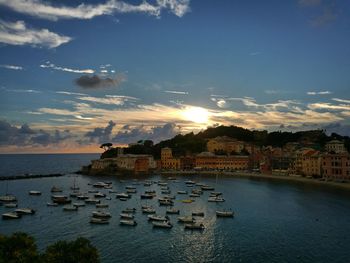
(8, 198)
(172, 211)
(82, 197)
(126, 216)
(207, 187)
(55, 189)
(129, 210)
(162, 224)
(78, 204)
(99, 195)
(100, 214)
(25, 211)
(70, 208)
(51, 204)
(166, 192)
(189, 182)
(102, 205)
(148, 210)
(195, 195)
(60, 199)
(11, 215)
(182, 192)
(100, 185)
(108, 198)
(95, 220)
(131, 191)
(162, 183)
(122, 195)
(195, 226)
(215, 193)
(130, 187)
(185, 219)
(32, 192)
(197, 213)
(128, 222)
(75, 194)
(158, 218)
(216, 199)
(92, 201)
(224, 213)
(10, 205)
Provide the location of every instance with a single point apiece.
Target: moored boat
(187, 201)
(70, 208)
(182, 192)
(101, 214)
(78, 204)
(55, 189)
(207, 187)
(128, 222)
(158, 218)
(216, 199)
(10, 205)
(51, 204)
(92, 201)
(172, 211)
(33, 192)
(197, 213)
(60, 199)
(195, 226)
(95, 220)
(224, 213)
(126, 216)
(8, 198)
(148, 210)
(185, 219)
(25, 211)
(122, 195)
(99, 195)
(162, 224)
(11, 215)
(101, 205)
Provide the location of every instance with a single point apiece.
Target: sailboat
(74, 187)
(7, 198)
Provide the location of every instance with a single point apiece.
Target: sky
(78, 73)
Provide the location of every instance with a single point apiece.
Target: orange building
(336, 166)
(210, 161)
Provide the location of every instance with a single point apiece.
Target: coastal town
(226, 154)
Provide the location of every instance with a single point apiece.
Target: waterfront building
(336, 166)
(335, 146)
(225, 144)
(311, 163)
(210, 161)
(168, 161)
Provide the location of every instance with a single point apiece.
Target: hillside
(196, 143)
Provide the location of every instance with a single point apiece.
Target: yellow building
(226, 144)
(335, 146)
(311, 163)
(168, 161)
(210, 161)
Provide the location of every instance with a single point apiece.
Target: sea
(273, 222)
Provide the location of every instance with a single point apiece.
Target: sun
(195, 114)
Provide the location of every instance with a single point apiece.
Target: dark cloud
(95, 81)
(158, 133)
(11, 135)
(101, 135)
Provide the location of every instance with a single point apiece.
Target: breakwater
(29, 176)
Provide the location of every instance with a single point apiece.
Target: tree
(19, 247)
(79, 250)
(106, 146)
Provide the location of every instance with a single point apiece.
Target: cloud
(46, 10)
(130, 134)
(101, 135)
(11, 67)
(176, 92)
(21, 90)
(70, 93)
(341, 100)
(328, 106)
(24, 135)
(319, 92)
(254, 53)
(95, 81)
(328, 16)
(53, 66)
(17, 33)
(109, 100)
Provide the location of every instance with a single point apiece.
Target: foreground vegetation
(21, 248)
